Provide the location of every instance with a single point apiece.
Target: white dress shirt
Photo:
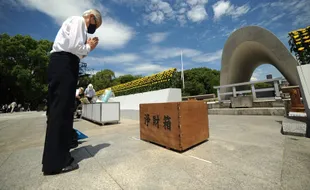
(77, 92)
(72, 37)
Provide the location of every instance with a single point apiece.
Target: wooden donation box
(174, 125)
(296, 104)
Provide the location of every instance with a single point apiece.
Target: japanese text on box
(166, 121)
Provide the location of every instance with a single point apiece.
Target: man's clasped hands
(92, 42)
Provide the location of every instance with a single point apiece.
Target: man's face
(93, 20)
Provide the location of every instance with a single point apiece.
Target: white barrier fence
(102, 112)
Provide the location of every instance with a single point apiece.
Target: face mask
(91, 28)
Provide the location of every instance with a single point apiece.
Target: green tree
(193, 88)
(198, 81)
(262, 85)
(23, 68)
(103, 79)
(84, 81)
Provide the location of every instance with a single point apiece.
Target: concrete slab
(242, 153)
(90, 175)
(219, 177)
(296, 164)
(22, 170)
(293, 127)
(4, 156)
(154, 168)
(252, 160)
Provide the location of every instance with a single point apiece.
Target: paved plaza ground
(243, 152)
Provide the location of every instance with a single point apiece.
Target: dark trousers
(62, 80)
(77, 103)
(89, 99)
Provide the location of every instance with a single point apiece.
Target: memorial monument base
(174, 125)
(242, 102)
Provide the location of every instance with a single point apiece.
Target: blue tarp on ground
(80, 135)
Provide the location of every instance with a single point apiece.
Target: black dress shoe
(70, 167)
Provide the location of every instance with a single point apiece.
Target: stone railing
(253, 91)
(199, 97)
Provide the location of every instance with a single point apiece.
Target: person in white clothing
(78, 96)
(70, 45)
(12, 106)
(90, 92)
(79, 92)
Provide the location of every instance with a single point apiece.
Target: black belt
(66, 53)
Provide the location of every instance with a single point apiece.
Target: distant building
(269, 76)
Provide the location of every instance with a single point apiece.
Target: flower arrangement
(156, 81)
(300, 44)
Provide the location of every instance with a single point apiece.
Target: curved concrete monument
(249, 47)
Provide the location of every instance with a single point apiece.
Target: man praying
(70, 45)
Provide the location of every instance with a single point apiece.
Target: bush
(300, 44)
(162, 80)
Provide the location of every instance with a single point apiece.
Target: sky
(147, 36)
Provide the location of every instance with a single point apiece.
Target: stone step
(278, 111)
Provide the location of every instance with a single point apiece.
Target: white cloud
(130, 2)
(166, 53)
(112, 34)
(263, 70)
(182, 10)
(271, 21)
(127, 64)
(158, 11)
(257, 75)
(117, 74)
(156, 17)
(253, 78)
(197, 13)
(224, 7)
(146, 68)
(208, 57)
(160, 53)
(122, 58)
(220, 8)
(182, 19)
(297, 10)
(92, 72)
(196, 2)
(157, 37)
(226, 31)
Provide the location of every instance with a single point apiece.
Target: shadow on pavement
(91, 151)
